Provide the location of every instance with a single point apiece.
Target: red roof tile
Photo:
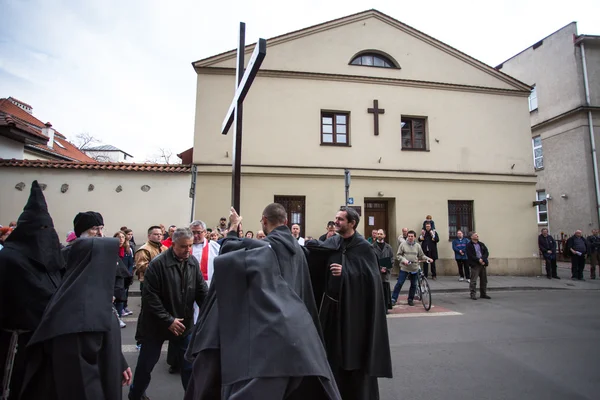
(8, 120)
(180, 168)
(17, 114)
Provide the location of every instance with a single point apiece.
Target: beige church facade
(452, 140)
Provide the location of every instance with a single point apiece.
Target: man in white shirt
(205, 252)
(296, 234)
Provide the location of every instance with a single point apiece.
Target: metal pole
(193, 191)
(237, 127)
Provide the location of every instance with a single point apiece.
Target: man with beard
(260, 338)
(352, 309)
(30, 273)
(76, 350)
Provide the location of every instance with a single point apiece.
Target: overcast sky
(121, 70)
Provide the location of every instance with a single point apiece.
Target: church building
(422, 127)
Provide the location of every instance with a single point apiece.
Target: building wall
(11, 149)
(167, 202)
(282, 126)
(592, 55)
(502, 206)
(555, 69)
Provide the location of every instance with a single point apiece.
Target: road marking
(130, 348)
(425, 314)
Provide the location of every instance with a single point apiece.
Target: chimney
(48, 131)
(21, 105)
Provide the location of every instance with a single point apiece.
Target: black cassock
(352, 314)
(76, 351)
(30, 272)
(255, 338)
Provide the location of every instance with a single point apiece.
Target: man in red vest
(205, 252)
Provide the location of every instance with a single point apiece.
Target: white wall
(167, 202)
(11, 149)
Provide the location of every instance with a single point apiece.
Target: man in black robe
(30, 266)
(260, 338)
(352, 309)
(76, 350)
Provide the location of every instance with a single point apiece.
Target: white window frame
(534, 147)
(541, 195)
(533, 100)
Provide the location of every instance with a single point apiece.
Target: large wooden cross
(243, 81)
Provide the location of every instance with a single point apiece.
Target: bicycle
(423, 290)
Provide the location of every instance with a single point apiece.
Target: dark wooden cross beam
(376, 111)
(243, 81)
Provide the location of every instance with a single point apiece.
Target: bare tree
(83, 140)
(163, 156)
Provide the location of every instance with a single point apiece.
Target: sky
(121, 70)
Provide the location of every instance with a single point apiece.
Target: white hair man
(205, 252)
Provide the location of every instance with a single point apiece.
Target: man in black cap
(30, 273)
(86, 225)
(75, 353)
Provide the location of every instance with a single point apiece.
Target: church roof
(209, 61)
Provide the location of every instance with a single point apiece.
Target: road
(519, 345)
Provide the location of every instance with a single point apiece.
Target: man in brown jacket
(143, 256)
(147, 252)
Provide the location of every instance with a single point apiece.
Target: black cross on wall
(376, 111)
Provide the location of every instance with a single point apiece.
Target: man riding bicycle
(409, 254)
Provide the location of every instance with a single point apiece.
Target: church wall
(167, 202)
(467, 131)
(503, 215)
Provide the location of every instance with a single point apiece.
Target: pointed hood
(34, 235)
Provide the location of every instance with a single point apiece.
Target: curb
(137, 293)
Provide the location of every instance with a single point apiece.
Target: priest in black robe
(352, 309)
(76, 349)
(260, 338)
(30, 273)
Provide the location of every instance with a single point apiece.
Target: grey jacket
(387, 252)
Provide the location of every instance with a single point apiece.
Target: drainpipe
(591, 125)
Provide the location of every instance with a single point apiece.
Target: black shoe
(485, 296)
(549, 277)
(556, 277)
(581, 279)
(173, 370)
(411, 303)
(473, 297)
(593, 277)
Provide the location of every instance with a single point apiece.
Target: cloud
(120, 70)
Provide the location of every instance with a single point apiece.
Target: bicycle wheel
(425, 293)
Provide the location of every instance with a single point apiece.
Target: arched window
(373, 60)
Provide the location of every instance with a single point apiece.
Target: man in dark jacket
(247, 333)
(594, 251)
(30, 273)
(577, 248)
(347, 284)
(478, 254)
(172, 283)
(547, 246)
(385, 257)
(76, 350)
(429, 240)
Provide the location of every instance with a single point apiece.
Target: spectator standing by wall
(459, 245)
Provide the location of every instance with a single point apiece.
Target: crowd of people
(235, 308)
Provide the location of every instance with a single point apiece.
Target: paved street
(529, 344)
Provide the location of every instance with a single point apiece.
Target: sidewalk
(450, 284)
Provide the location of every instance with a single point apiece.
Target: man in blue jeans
(172, 283)
(408, 254)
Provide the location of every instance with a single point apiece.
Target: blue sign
(350, 200)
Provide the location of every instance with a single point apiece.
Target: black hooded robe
(256, 339)
(30, 266)
(76, 350)
(352, 313)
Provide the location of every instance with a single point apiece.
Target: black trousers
(463, 269)
(577, 266)
(551, 267)
(426, 270)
